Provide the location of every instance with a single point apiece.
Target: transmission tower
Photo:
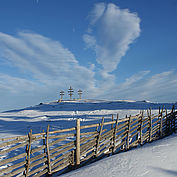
(79, 93)
(70, 91)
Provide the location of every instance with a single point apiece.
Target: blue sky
(119, 49)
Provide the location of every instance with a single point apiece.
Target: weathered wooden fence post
(78, 143)
(48, 151)
(114, 135)
(141, 128)
(28, 153)
(128, 133)
(150, 125)
(173, 117)
(99, 136)
(167, 123)
(161, 122)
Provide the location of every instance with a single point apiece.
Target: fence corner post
(28, 151)
(78, 143)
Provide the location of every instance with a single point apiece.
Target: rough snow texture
(157, 159)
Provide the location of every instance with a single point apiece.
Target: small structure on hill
(70, 91)
(61, 94)
(79, 93)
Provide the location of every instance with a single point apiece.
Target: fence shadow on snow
(62, 150)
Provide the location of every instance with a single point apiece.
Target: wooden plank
(121, 144)
(121, 129)
(89, 126)
(88, 157)
(61, 167)
(106, 140)
(62, 136)
(43, 167)
(72, 143)
(146, 126)
(122, 137)
(63, 130)
(61, 151)
(89, 133)
(103, 151)
(155, 131)
(135, 143)
(84, 153)
(156, 122)
(134, 128)
(38, 157)
(103, 145)
(123, 133)
(13, 148)
(156, 127)
(107, 134)
(89, 144)
(41, 173)
(105, 123)
(63, 161)
(15, 172)
(66, 155)
(56, 141)
(12, 142)
(15, 138)
(135, 121)
(38, 162)
(132, 135)
(121, 126)
(85, 139)
(12, 159)
(10, 168)
(78, 142)
(38, 149)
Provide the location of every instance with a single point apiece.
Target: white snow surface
(155, 159)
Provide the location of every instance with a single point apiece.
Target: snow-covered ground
(143, 161)
(157, 159)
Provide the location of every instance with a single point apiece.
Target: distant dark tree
(79, 93)
(70, 91)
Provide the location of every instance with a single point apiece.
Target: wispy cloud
(47, 60)
(110, 33)
(160, 87)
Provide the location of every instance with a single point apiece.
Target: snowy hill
(64, 114)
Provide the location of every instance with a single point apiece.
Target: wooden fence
(56, 151)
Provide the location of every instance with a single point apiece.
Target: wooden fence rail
(56, 151)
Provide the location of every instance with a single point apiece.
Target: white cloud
(42, 64)
(111, 31)
(47, 60)
(158, 88)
